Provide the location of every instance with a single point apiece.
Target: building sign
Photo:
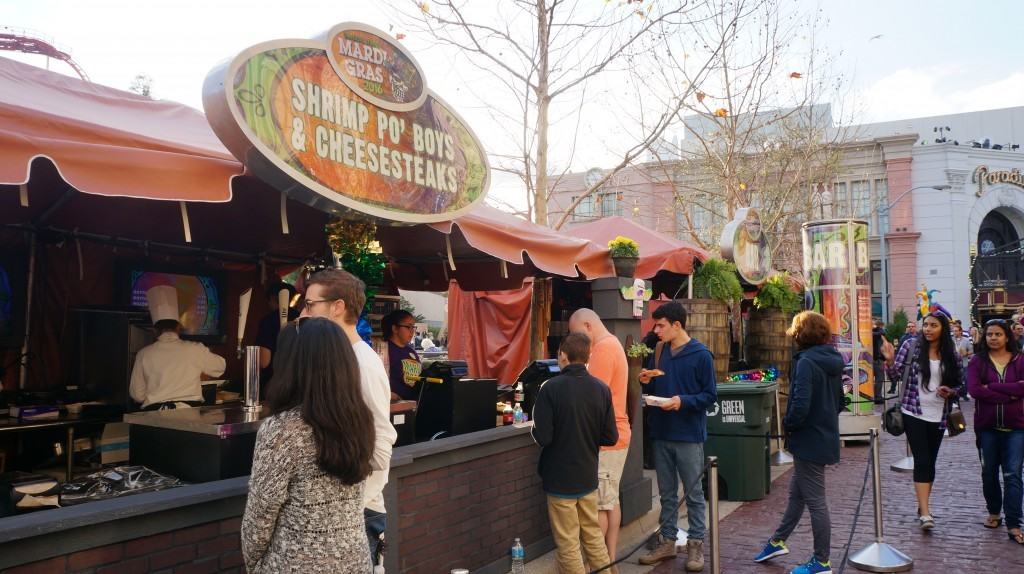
(745, 244)
(347, 123)
(837, 279)
(982, 176)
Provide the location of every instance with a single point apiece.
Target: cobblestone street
(959, 543)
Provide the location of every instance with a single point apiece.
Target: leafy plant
(777, 294)
(405, 305)
(638, 351)
(623, 247)
(896, 329)
(717, 279)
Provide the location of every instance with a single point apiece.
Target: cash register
(533, 376)
(450, 403)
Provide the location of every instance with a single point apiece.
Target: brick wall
(468, 514)
(210, 547)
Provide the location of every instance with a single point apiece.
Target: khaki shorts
(609, 472)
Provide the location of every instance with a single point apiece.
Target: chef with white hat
(168, 373)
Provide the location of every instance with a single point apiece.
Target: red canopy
(658, 252)
(106, 141)
(422, 255)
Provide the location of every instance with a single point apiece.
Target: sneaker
(926, 522)
(771, 550)
(664, 550)
(813, 567)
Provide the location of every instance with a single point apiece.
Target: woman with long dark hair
(305, 506)
(994, 378)
(930, 368)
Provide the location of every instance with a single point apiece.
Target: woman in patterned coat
(305, 507)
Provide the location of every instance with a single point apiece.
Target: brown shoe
(665, 550)
(694, 555)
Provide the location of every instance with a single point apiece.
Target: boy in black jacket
(572, 419)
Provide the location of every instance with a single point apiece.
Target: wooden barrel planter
(707, 320)
(767, 342)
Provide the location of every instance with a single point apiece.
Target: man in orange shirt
(608, 363)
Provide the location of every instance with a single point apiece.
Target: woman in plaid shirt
(929, 368)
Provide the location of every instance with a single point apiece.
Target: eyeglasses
(995, 322)
(310, 303)
(410, 326)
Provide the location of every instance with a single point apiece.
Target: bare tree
(755, 134)
(142, 84)
(548, 57)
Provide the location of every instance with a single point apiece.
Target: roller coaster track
(28, 42)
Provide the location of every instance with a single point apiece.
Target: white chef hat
(163, 303)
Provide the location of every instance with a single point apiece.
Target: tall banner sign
(837, 275)
(346, 123)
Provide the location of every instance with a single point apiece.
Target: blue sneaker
(813, 567)
(771, 550)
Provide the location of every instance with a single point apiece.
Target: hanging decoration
(768, 375)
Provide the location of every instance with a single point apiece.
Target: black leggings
(924, 438)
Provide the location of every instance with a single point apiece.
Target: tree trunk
(540, 318)
(540, 190)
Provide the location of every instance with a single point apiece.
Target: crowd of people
(942, 365)
(322, 458)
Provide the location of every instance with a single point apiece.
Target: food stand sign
(836, 274)
(346, 123)
(745, 244)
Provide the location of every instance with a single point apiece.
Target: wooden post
(540, 318)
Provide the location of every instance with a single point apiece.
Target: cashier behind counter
(168, 373)
(404, 367)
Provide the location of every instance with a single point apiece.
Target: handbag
(955, 421)
(892, 418)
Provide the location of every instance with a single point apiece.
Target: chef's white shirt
(377, 395)
(169, 370)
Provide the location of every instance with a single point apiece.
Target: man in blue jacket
(684, 376)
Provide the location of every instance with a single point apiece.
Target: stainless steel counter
(220, 420)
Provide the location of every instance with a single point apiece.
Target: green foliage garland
(717, 279)
(777, 294)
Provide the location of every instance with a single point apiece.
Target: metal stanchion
(716, 558)
(879, 556)
(905, 464)
(781, 457)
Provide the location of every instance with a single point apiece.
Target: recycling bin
(737, 424)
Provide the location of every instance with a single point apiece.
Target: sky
(900, 58)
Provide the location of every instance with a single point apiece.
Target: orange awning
(477, 243)
(106, 141)
(658, 252)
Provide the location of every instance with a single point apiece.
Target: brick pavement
(959, 543)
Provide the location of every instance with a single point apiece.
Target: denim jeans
(376, 522)
(807, 490)
(675, 461)
(1002, 451)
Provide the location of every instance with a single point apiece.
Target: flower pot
(625, 266)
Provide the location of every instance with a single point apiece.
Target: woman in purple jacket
(995, 377)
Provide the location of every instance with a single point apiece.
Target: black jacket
(815, 401)
(572, 419)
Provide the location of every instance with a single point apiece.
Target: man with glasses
(340, 297)
(404, 365)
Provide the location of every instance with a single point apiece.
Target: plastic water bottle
(518, 558)
(517, 414)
